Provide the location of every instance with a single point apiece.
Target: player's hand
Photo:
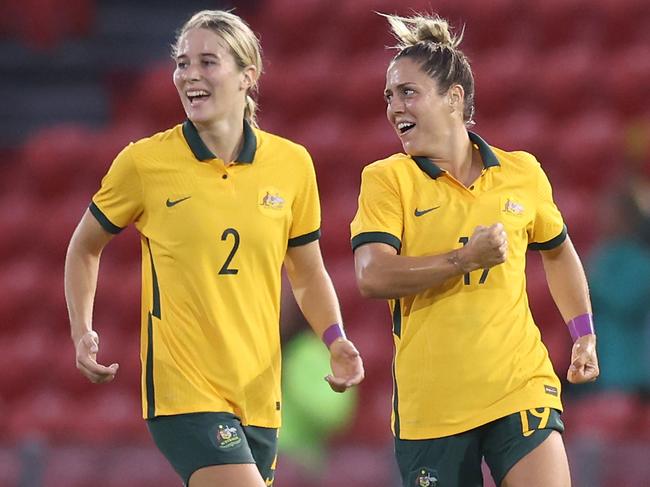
(487, 247)
(86, 352)
(346, 364)
(584, 362)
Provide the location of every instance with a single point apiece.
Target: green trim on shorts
(455, 461)
(197, 440)
(529, 429)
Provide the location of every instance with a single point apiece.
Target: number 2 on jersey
(485, 273)
(225, 269)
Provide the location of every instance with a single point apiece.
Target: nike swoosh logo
(424, 212)
(171, 203)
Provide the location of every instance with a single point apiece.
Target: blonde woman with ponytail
(220, 206)
(442, 232)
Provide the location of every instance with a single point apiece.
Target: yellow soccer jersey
(470, 352)
(214, 240)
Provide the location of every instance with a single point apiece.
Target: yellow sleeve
(548, 229)
(305, 225)
(119, 200)
(379, 217)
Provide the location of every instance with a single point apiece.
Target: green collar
(202, 153)
(487, 155)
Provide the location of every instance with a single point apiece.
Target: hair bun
(410, 30)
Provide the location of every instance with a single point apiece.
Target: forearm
(393, 276)
(566, 281)
(317, 300)
(80, 280)
(312, 287)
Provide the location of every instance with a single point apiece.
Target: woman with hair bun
(442, 232)
(220, 206)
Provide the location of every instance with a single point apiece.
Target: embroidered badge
(426, 478)
(227, 437)
(272, 201)
(512, 207)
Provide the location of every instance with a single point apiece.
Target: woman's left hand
(584, 362)
(346, 364)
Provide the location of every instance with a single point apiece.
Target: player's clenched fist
(487, 247)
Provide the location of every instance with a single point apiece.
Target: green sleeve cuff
(550, 244)
(109, 226)
(378, 237)
(304, 239)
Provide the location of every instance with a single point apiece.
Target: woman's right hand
(487, 247)
(86, 355)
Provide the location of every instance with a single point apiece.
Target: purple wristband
(332, 333)
(580, 326)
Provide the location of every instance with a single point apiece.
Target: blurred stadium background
(568, 80)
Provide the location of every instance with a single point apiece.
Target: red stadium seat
(369, 140)
(489, 24)
(108, 465)
(73, 467)
(564, 22)
(503, 79)
(304, 20)
(627, 79)
(589, 146)
(627, 465)
(361, 89)
(108, 414)
(566, 81)
(57, 159)
(607, 416)
(623, 22)
(574, 201)
(153, 100)
(338, 212)
(143, 466)
(44, 24)
(110, 142)
(18, 215)
(519, 130)
(26, 355)
(643, 421)
(300, 86)
(10, 467)
(56, 232)
(41, 413)
(366, 466)
(23, 288)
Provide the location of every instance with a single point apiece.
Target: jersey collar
(202, 153)
(487, 155)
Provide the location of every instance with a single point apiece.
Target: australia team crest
(511, 206)
(227, 437)
(272, 202)
(426, 478)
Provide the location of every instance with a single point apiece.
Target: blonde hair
(429, 41)
(242, 41)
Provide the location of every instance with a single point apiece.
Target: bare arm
(81, 269)
(381, 273)
(316, 297)
(568, 285)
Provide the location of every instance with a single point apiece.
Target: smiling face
(210, 84)
(421, 117)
